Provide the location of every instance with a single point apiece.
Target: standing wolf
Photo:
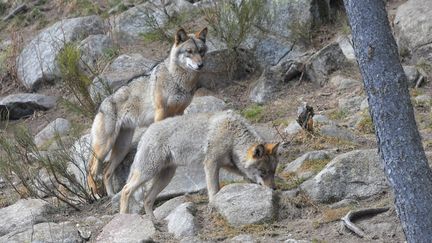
(218, 140)
(170, 90)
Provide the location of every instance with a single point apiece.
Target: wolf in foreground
(218, 140)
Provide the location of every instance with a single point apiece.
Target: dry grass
(333, 214)
(366, 125)
(338, 114)
(319, 142)
(314, 165)
(221, 229)
(288, 181)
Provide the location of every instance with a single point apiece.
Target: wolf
(168, 92)
(218, 140)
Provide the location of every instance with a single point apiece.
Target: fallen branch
(351, 215)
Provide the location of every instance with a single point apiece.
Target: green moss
(253, 113)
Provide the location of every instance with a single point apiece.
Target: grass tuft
(253, 113)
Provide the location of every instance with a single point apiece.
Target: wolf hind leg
(103, 136)
(160, 181)
(136, 179)
(118, 153)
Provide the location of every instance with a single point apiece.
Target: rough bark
(400, 147)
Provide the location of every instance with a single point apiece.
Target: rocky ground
(322, 174)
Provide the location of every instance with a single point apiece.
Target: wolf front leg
(211, 170)
(159, 114)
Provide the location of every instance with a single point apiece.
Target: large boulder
(234, 203)
(271, 50)
(222, 66)
(121, 71)
(130, 26)
(23, 214)
(413, 29)
(291, 17)
(95, 52)
(353, 175)
(58, 127)
(45, 232)
(267, 84)
(127, 228)
(37, 61)
(325, 62)
(16, 106)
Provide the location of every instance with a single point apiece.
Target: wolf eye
(263, 172)
(189, 51)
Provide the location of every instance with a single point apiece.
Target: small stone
(425, 100)
(167, 207)
(364, 105)
(412, 75)
(293, 128)
(127, 228)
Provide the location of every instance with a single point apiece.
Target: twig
(284, 138)
(419, 81)
(351, 215)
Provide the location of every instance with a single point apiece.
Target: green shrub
(74, 78)
(20, 159)
(232, 20)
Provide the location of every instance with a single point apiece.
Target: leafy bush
(74, 78)
(41, 174)
(232, 20)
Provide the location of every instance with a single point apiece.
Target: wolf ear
(271, 148)
(202, 34)
(258, 151)
(181, 36)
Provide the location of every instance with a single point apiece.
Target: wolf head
(261, 162)
(189, 50)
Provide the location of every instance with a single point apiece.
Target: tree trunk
(400, 147)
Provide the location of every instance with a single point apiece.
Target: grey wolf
(170, 90)
(218, 140)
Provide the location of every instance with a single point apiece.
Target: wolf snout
(201, 65)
